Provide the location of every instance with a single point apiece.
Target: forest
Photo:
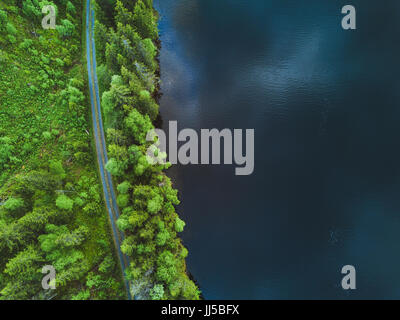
(51, 205)
(129, 81)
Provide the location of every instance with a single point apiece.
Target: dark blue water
(324, 104)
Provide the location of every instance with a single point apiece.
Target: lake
(324, 103)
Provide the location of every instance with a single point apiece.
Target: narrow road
(101, 148)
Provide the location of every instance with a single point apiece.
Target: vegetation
(51, 208)
(129, 82)
(52, 212)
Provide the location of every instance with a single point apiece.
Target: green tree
(123, 15)
(101, 37)
(190, 290)
(3, 19)
(157, 292)
(71, 8)
(31, 8)
(112, 100)
(162, 237)
(116, 167)
(14, 204)
(10, 235)
(124, 187)
(154, 204)
(63, 202)
(104, 78)
(57, 169)
(66, 28)
(179, 224)
(6, 150)
(166, 267)
(147, 105)
(107, 265)
(122, 200)
(60, 246)
(11, 29)
(138, 125)
(144, 21)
